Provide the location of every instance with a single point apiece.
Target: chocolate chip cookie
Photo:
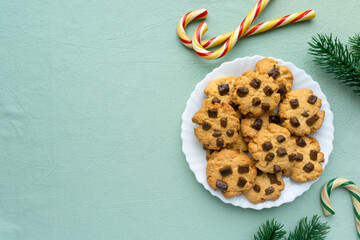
(230, 172)
(267, 186)
(282, 75)
(270, 148)
(301, 110)
(251, 126)
(239, 145)
(221, 88)
(256, 94)
(306, 159)
(218, 124)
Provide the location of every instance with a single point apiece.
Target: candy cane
(354, 192)
(231, 41)
(259, 28)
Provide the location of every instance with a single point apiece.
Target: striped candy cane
(259, 28)
(231, 41)
(354, 192)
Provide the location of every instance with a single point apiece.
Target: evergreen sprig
(336, 58)
(313, 230)
(270, 231)
(305, 230)
(355, 45)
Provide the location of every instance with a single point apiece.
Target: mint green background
(91, 97)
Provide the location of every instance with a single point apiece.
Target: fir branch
(355, 45)
(335, 58)
(313, 230)
(270, 231)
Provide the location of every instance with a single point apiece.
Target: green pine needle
(335, 58)
(355, 45)
(270, 231)
(313, 230)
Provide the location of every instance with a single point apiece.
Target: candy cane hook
(354, 192)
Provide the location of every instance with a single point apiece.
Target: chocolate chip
(259, 172)
(299, 157)
(212, 113)
(273, 179)
(225, 171)
(281, 152)
(280, 138)
(219, 142)
(308, 167)
(305, 114)
(277, 169)
(242, 92)
(267, 146)
(223, 89)
(206, 126)
(255, 83)
(294, 103)
(312, 99)
(216, 133)
(265, 107)
(230, 133)
(313, 155)
(257, 124)
(215, 100)
(234, 106)
(256, 188)
(221, 185)
(256, 101)
(268, 91)
(282, 90)
(243, 169)
(274, 73)
(274, 119)
(211, 151)
(292, 157)
(241, 182)
(310, 121)
(269, 190)
(269, 157)
(294, 122)
(223, 122)
(300, 142)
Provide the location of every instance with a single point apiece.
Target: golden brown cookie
(240, 145)
(301, 110)
(230, 172)
(256, 94)
(221, 88)
(251, 126)
(267, 186)
(218, 124)
(306, 159)
(270, 148)
(282, 75)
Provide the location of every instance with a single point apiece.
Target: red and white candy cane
(262, 27)
(231, 41)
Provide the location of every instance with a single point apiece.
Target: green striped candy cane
(354, 192)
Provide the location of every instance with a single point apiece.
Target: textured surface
(91, 96)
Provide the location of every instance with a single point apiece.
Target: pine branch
(313, 230)
(335, 58)
(270, 231)
(355, 45)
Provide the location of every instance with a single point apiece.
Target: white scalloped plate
(195, 154)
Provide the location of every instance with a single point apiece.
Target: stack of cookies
(237, 121)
